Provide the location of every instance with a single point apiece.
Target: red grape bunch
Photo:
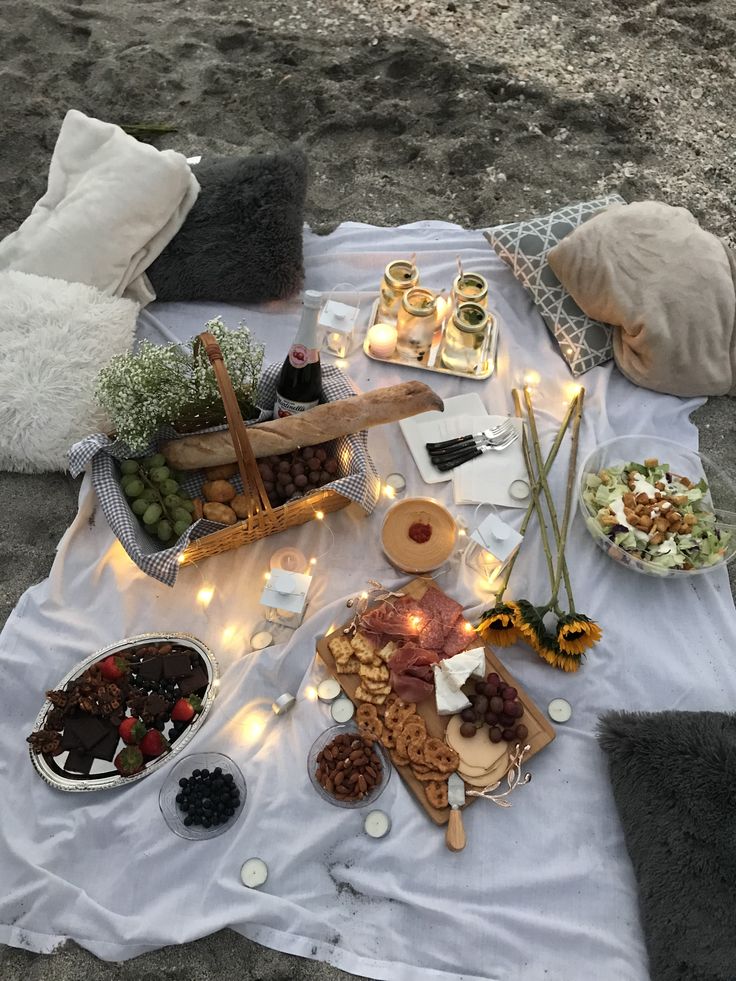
(296, 474)
(497, 705)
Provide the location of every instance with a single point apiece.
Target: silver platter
(52, 773)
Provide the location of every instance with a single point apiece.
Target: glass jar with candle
(416, 324)
(465, 337)
(398, 277)
(470, 288)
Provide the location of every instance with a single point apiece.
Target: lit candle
(328, 690)
(342, 709)
(291, 559)
(382, 340)
(377, 824)
(394, 485)
(253, 873)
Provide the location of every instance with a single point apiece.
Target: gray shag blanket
(674, 782)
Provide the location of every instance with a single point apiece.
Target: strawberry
(129, 761)
(153, 743)
(114, 668)
(131, 731)
(186, 708)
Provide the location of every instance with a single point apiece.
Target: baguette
(319, 425)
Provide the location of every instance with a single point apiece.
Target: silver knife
(455, 836)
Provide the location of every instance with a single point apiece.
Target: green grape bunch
(156, 497)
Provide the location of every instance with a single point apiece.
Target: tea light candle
(291, 559)
(283, 704)
(382, 340)
(394, 486)
(328, 690)
(261, 640)
(342, 709)
(253, 873)
(559, 710)
(377, 824)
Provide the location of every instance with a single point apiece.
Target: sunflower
(576, 633)
(497, 626)
(549, 650)
(528, 622)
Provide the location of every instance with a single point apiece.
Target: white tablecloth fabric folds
(544, 890)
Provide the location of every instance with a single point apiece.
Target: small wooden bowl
(408, 555)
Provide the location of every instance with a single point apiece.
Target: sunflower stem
(535, 487)
(561, 563)
(572, 466)
(535, 483)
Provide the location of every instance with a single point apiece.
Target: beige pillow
(651, 270)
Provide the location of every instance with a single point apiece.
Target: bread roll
(319, 425)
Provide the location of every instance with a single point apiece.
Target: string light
(204, 596)
(266, 576)
(319, 515)
(180, 558)
(532, 378)
(364, 595)
(313, 561)
(310, 693)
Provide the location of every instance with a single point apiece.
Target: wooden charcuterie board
(541, 732)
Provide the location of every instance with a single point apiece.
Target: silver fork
(451, 460)
(493, 432)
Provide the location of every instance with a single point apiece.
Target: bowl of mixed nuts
(346, 769)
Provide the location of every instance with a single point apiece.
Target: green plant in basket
(156, 498)
(175, 385)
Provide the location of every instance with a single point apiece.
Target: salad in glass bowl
(649, 503)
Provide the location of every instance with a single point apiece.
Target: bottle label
(288, 407)
(299, 355)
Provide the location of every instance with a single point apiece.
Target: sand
(476, 112)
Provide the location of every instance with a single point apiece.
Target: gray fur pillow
(242, 240)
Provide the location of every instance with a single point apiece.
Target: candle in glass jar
(417, 322)
(382, 340)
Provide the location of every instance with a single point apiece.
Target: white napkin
(487, 479)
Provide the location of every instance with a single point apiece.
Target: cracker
(351, 666)
(368, 696)
(377, 687)
(398, 758)
(364, 650)
(375, 672)
(387, 651)
(340, 648)
(436, 793)
(429, 776)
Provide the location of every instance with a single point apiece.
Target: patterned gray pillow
(524, 245)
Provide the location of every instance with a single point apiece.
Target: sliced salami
(432, 635)
(440, 607)
(461, 635)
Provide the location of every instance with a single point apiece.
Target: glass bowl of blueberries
(203, 796)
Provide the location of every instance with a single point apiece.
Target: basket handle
(253, 489)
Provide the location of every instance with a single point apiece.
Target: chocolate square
(176, 666)
(150, 669)
(69, 739)
(105, 748)
(88, 729)
(196, 680)
(78, 762)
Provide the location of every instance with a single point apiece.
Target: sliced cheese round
(477, 752)
(496, 773)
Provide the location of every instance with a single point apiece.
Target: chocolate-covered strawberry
(129, 761)
(131, 731)
(114, 668)
(153, 743)
(185, 709)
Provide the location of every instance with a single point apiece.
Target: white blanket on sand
(111, 207)
(544, 891)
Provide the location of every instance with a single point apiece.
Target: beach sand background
(475, 111)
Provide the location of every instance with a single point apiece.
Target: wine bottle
(300, 383)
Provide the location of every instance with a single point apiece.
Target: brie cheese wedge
(449, 700)
(459, 668)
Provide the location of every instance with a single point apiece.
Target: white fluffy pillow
(54, 338)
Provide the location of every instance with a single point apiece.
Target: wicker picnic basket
(263, 519)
